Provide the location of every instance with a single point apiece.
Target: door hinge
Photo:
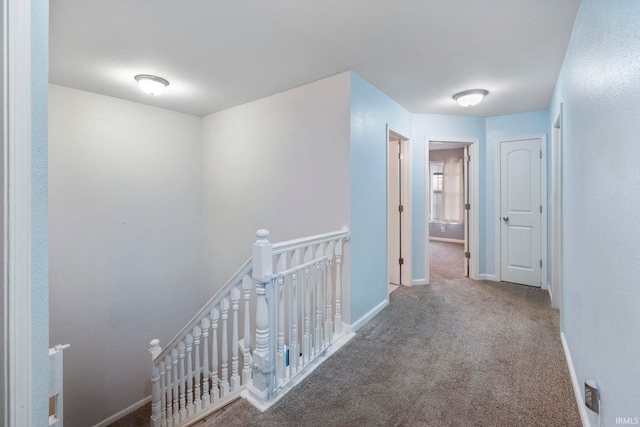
(400, 156)
(467, 159)
(467, 206)
(540, 263)
(467, 254)
(401, 261)
(540, 153)
(401, 208)
(540, 208)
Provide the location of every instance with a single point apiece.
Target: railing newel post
(262, 272)
(156, 400)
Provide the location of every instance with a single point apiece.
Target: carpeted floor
(454, 353)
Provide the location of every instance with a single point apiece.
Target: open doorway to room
(399, 211)
(451, 193)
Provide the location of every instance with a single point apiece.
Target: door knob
(505, 218)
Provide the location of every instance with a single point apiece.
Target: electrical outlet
(442, 229)
(591, 399)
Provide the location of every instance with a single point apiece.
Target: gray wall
(124, 187)
(449, 154)
(280, 163)
(446, 231)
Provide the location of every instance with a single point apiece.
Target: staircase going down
(276, 319)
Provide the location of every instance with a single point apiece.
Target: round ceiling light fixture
(469, 98)
(153, 85)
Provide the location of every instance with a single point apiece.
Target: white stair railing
(294, 315)
(56, 418)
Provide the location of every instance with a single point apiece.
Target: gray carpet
(453, 353)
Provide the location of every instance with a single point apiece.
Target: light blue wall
(39, 213)
(371, 111)
(439, 126)
(599, 86)
(512, 125)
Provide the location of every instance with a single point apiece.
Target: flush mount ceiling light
(152, 85)
(469, 98)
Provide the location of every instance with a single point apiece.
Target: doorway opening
(451, 193)
(398, 210)
(556, 212)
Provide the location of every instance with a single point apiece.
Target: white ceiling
(219, 54)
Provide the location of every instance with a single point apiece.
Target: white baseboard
(368, 316)
(489, 277)
(444, 239)
(335, 346)
(115, 417)
(419, 282)
(574, 382)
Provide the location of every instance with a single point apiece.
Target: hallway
(446, 261)
(455, 353)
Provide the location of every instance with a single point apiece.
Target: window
(446, 191)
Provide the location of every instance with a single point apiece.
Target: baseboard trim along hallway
(574, 382)
(368, 316)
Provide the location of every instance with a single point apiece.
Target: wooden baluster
(247, 284)
(176, 394)
(293, 316)
(280, 356)
(163, 394)
(197, 333)
(235, 303)
(183, 382)
(206, 381)
(306, 338)
(319, 282)
(338, 317)
(167, 364)
(224, 354)
(189, 375)
(328, 317)
(215, 389)
(155, 397)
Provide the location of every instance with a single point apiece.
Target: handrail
(278, 248)
(213, 301)
(300, 267)
(291, 245)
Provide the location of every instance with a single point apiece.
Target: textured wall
(124, 182)
(371, 112)
(598, 87)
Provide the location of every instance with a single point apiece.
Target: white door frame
(474, 212)
(406, 202)
(16, 374)
(556, 212)
(543, 202)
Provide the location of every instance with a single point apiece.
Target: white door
(467, 206)
(395, 215)
(520, 211)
